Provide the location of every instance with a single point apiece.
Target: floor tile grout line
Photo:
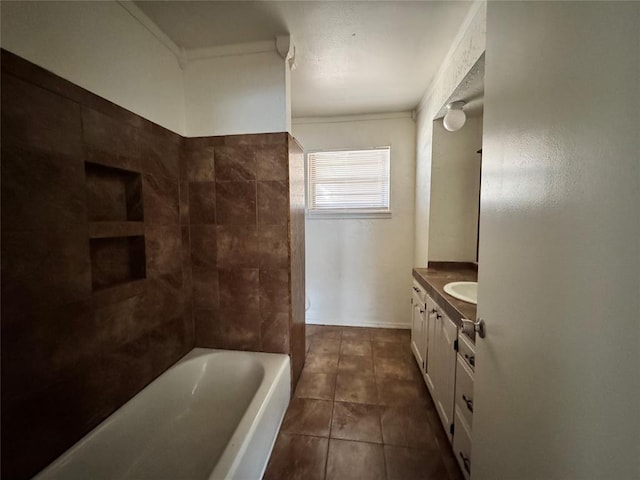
(326, 459)
(355, 441)
(395, 445)
(375, 381)
(306, 435)
(333, 406)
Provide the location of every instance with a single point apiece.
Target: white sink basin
(465, 291)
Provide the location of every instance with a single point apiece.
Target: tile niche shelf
(116, 260)
(116, 225)
(113, 194)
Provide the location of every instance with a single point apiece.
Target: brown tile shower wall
(96, 287)
(244, 226)
(296, 258)
(123, 246)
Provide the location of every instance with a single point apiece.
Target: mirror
(456, 165)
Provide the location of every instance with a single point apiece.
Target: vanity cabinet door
(417, 330)
(422, 339)
(418, 324)
(435, 319)
(447, 377)
(441, 366)
(433, 347)
(430, 311)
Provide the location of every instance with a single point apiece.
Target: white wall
(557, 382)
(103, 48)
(237, 94)
(465, 52)
(359, 270)
(455, 189)
(119, 54)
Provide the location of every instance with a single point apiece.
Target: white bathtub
(215, 414)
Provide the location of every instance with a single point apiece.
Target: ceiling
(351, 57)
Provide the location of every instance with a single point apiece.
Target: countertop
(434, 278)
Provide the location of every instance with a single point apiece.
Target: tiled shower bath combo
(124, 246)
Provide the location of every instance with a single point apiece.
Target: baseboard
(359, 323)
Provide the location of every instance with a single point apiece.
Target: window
(348, 183)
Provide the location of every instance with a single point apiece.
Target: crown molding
(287, 50)
(351, 118)
(230, 50)
(185, 56)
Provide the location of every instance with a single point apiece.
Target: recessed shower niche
(116, 225)
(113, 194)
(116, 260)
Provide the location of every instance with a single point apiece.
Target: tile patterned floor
(361, 411)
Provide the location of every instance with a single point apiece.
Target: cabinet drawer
(462, 444)
(467, 350)
(419, 292)
(464, 390)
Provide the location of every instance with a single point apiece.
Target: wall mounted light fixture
(455, 117)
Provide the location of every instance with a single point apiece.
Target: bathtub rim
(275, 365)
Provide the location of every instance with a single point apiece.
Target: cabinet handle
(438, 316)
(469, 402)
(466, 461)
(433, 310)
(416, 289)
(471, 359)
(421, 311)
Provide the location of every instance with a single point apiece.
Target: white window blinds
(348, 181)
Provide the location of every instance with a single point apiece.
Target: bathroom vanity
(445, 355)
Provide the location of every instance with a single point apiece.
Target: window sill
(346, 215)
